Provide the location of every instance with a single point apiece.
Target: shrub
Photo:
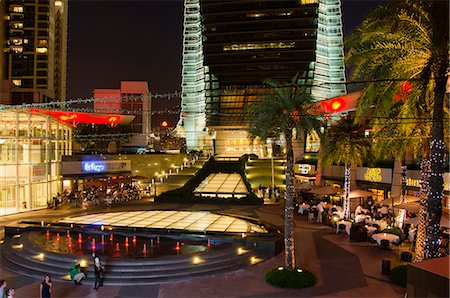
(283, 278)
(398, 275)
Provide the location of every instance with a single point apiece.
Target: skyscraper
(33, 44)
(232, 46)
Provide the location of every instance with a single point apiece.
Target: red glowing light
(47, 233)
(74, 118)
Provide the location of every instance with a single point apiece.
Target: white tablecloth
(383, 236)
(370, 230)
(381, 223)
(347, 224)
(302, 208)
(361, 218)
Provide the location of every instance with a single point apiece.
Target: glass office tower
(231, 47)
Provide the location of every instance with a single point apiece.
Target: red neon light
(334, 105)
(73, 118)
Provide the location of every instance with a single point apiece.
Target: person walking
(3, 285)
(98, 269)
(46, 287)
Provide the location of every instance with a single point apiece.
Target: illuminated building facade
(133, 98)
(31, 148)
(231, 47)
(33, 44)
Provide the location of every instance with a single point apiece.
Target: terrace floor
(343, 268)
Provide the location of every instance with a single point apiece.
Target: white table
(302, 208)
(370, 230)
(362, 217)
(384, 236)
(347, 224)
(381, 223)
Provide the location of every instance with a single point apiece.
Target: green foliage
(290, 279)
(185, 193)
(286, 105)
(398, 275)
(391, 230)
(344, 143)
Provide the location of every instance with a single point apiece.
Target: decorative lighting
(197, 260)
(280, 268)
(299, 270)
(83, 263)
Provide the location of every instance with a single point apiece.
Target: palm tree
(284, 108)
(407, 41)
(345, 143)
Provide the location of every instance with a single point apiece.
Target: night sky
(113, 41)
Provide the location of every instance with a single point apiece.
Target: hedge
(283, 278)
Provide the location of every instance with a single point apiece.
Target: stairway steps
(122, 272)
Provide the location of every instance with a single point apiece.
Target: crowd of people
(100, 195)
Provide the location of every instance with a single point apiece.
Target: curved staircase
(20, 255)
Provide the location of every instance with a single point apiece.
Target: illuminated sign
(93, 166)
(373, 174)
(305, 169)
(416, 183)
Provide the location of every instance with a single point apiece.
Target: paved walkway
(343, 268)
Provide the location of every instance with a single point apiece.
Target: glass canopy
(222, 185)
(198, 221)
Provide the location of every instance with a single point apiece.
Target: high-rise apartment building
(232, 46)
(133, 98)
(33, 43)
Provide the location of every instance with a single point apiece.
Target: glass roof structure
(222, 184)
(196, 221)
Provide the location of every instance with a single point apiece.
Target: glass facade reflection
(31, 150)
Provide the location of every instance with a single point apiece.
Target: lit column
(193, 120)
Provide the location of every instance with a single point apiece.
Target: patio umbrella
(411, 206)
(303, 186)
(397, 200)
(445, 221)
(327, 190)
(358, 193)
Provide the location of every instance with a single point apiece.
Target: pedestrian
(98, 269)
(3, 285)
(11, 293)
(46, 287)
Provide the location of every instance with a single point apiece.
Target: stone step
(9, 261)
(128, 272)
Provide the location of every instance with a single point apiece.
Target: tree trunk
(347, 191)
(288, 204)
(422, 225)
(439, 19)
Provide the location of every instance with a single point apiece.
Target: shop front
(94, 171)
(31, 150)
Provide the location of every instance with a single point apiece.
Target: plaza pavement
(343, 268)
